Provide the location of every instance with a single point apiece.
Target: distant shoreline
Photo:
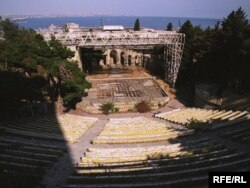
(84, 16)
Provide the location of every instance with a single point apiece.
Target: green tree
(194, 45)
(32, 69)
(170, 26)
(137, 26)
(219, 55)
(226, 57)
(235, 30)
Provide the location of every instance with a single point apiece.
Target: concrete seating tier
(65, 127)
(237, 133)
(163, 176)
(216, 117)
(99, 155)
(24, 163)
(73, 127)
(189, 152)
(160, 165)
(179, 162)
(187, 164)
(103, 156)
(136, 130)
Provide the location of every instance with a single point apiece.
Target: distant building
(73, 27)
(113, 28)
(52, 27)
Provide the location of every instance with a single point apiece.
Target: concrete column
(78, 51)
(118, 62)
(125, 59)
(140, 59)
(107, 57)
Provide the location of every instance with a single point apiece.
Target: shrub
(108, 107)
(195, 124)
(142, 107)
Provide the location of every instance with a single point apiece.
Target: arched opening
(113, 56)
(129, 60)
(122, 59)
(144, 61)
(104, 60)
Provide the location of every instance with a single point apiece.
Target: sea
(126, 21)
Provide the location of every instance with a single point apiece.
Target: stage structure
(121, 38)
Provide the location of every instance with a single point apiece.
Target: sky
(166, 8)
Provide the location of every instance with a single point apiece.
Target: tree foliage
(170, 26)
(218, 55)
(32, 69)
(157, 64)
(137, 26)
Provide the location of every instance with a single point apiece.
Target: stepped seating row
(136, 130)
(65, 127)
(184, 116)
(73, 127)
(203, 141)
(237, 103)
(104, 157)
(96, 156)
(238, 133)
(23, 164)
(102, 167)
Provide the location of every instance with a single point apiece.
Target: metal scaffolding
(173, 42)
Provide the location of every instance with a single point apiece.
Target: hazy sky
(172, 8)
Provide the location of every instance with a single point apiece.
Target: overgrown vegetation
(91, 58)
(108, 107)
(157, 65)
(195, 124)
(219, 55)
(142, 107)
(33, 70)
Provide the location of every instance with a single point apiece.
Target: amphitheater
(170, 146)
(123, 150)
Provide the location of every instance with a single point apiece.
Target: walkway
(62, 169)
(78, 149)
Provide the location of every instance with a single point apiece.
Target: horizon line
(100, 15)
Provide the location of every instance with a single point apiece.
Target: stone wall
(115, 58)
(94, 108)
